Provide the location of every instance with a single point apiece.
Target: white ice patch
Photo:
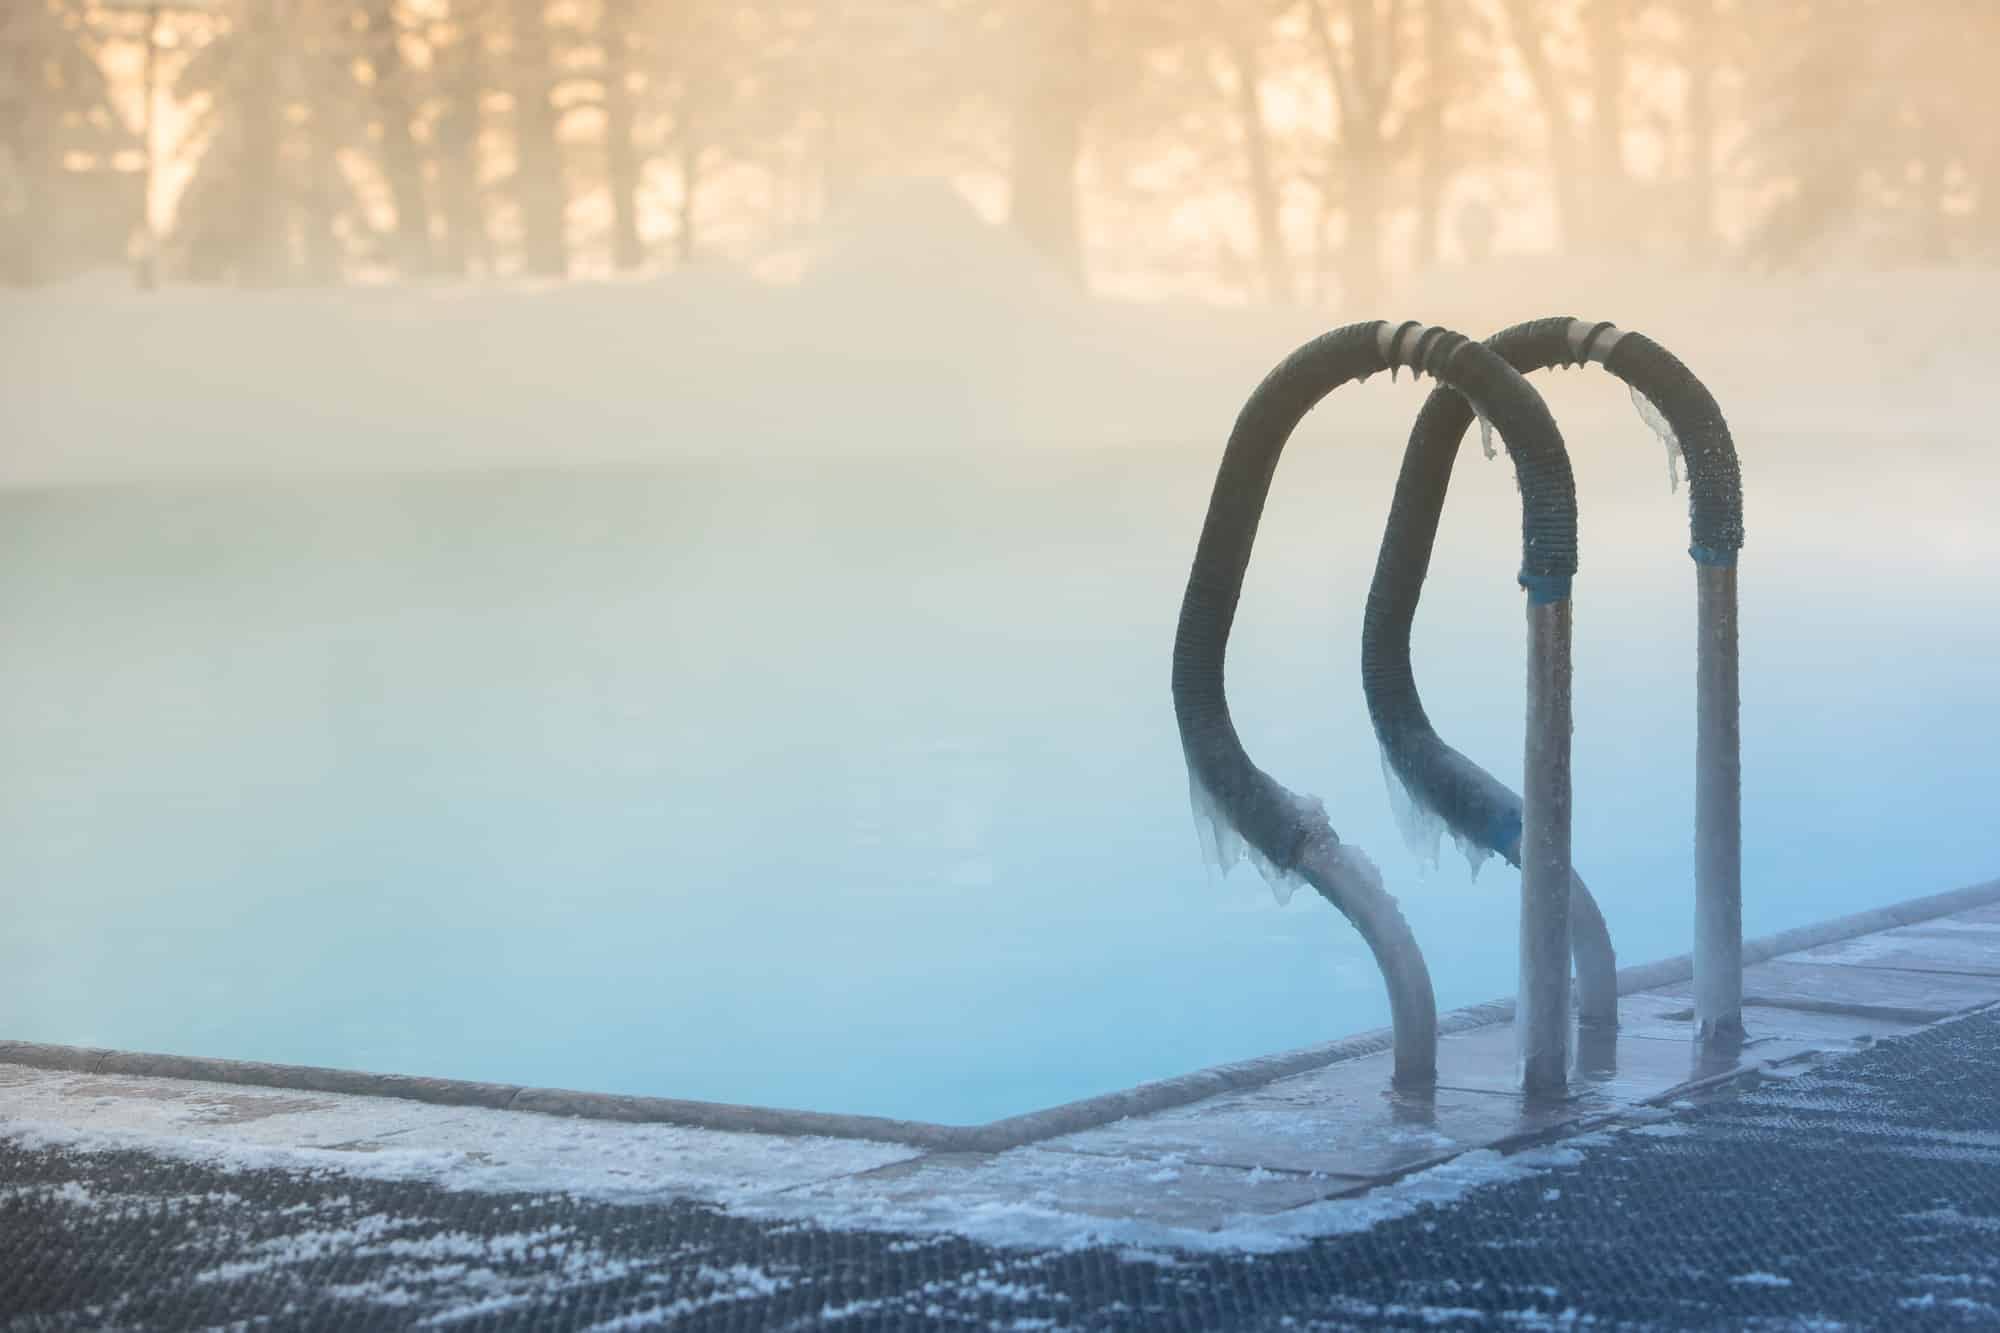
(1221, 844)
(1423, 828)
(1659, 426)
(1486, 437)
(1284, 883)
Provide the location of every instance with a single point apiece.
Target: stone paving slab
(1343, 1120)
(1671, 1017)
(1967, 947)
(1169, 1190)
(394, 1137)
(1836, 987)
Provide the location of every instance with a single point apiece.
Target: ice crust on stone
(1660, 426)
(1423, 828)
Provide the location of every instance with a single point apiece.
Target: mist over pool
(833, 765)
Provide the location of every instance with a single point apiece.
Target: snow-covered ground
(1029, 1197)
(760, 695)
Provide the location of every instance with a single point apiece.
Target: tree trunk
(690, 171)
(1434, 165)
(467, 243)
(402, 168)
(1361, 80)
(24, 122)
(1701, 57)
(1371, 65)
(260, 260)
(622, 167)
(1604, 30)
(1261, 179)
(1525, 27)
(1047, 139)
(538, 170)
(316, 202)
(1362, 278)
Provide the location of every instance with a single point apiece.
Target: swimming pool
(852, 783)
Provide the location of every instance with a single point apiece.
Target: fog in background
(1314, 152)
(635, 545)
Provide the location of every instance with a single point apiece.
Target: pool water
(852, 783)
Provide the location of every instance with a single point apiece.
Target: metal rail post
(1715, 521)
(1541, 1014)
(1290, 832)
(1476, 806)
(1718, 810)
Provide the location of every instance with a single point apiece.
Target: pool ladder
(1290, 834)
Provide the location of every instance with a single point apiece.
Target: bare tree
(1362, 48)
(1700, 56)
(1240, 30)
(1605, 24)
(1045, 142)
(457, 41)
(1528, 23)
(55, 103)
(392, 85)
(1435, 150)
(618, 36)
(539, 189)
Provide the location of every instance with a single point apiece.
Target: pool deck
(1230, 1159)
(1257, 1137)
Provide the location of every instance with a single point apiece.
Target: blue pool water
(852, 784)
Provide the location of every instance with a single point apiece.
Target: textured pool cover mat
(1864, 1192)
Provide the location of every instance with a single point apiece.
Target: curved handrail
(1475, 805)
(1289, 832)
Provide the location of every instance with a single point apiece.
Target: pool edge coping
(994, 1136)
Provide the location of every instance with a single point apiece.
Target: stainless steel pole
(1541, 1016)
(1718, 810)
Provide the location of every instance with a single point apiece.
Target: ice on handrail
(1486, 437)
(1222, 846)
(1284, 883)
(1423, 828)
(1661, 427)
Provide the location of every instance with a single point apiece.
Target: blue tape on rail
(1709, 555)
(1545, 588)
